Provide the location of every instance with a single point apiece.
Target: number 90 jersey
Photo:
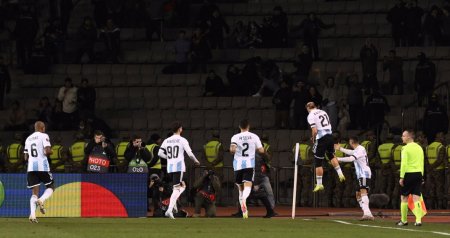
(246, 143)
(320, 120)
(174, 148)
(34, 147)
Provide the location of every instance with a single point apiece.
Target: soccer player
(411, 177)
(321, 136)
(243, 146)
(37, 148)
(173, 149)
(363, 173)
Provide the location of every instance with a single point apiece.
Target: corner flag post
(294, 194)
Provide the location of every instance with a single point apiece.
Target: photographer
(136, 153)
(161, 192)
(99, 147)
(206, 189)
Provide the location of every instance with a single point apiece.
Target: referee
(411, 173)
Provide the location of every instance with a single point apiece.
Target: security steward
(435, 184)
(156, 165)
(213, 154)
(76, 153)
(384, 163)
(14, 155)
(122, 163)
(397, 158)
(306, 159)
(58, 157)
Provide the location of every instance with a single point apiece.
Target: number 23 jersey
(246, 143)
(174, 147)
(34, 147)
(320, 120)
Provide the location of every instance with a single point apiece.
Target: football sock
(48, 192)
(360, 202)
(173, 199)
(319, 180)
(418, 211)
(404, 211)
(240, 197)
(33, 200)
(245, 195)
(339, 170)
(365, 205)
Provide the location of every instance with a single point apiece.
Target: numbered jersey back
(34, 147)
(320, 120)
(246, 143)
(174, 148)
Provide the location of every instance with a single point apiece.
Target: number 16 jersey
(174, 148)
(246, 143)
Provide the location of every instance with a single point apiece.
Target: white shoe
(33, 219)
(40, 204)
(169, 215)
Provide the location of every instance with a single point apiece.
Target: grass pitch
(214, 228)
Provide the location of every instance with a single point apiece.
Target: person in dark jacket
(397, 16)
(206, 188)
(394, 64)
(375, 110)
(413, 23)
(425, 78)
(214, 86)
(282, 100)
(99, 145)
(136, 150)
(303, 64)
(279, 24)
(311, 28)
(200, 51)
(111, 37)
(5, 82)
(369, 59)
(432, 28)
(217, 25)
(355, 102)
(315, 96)
(300, 95)
(87, 35)
(86, 97)
(435, 118)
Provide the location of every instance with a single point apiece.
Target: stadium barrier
(79, 195)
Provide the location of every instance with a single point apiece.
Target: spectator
(16, 118)
(375, 109)
(238, 36)
(413, 23)
(435, 118)
(268, 36)
(87, 35)
(217, 25)
(432, 28)
(136, 151)
(200, 51)
(182, 47)
(44, 111)
(425, 78)
(397, 16)
(394, 64)
(86, 97)
(68, 96)
(303, 64)
(272, 77)
(329, 103)
(252, 75)
(369, 60)
(58, 118)
(314, 96)
(206, 189)
(5, 82)
(25, 32)
(311, 28)
(282, 100)
(280, 24)
(238, 86)
(355, 102)
(254, 39)
(54, 41)
(214, 86)
(445, 19)
(300, 96)
(111, 37)
(99, 145)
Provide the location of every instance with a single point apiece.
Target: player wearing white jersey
(244, 146)
(322, 138)
(363, 173)
(37, 148)
(173, 149)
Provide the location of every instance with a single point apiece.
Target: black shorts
(362, 183)
(244, 175)
(177, 178)
(412, 184)
(324, 145)
(35, 178)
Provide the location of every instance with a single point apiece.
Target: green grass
(211, 228)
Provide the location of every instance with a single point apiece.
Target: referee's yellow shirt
(412, 159)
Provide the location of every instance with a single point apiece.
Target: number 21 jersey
(175, 146)
(320, 120)
(246, 143)
(34, 147)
